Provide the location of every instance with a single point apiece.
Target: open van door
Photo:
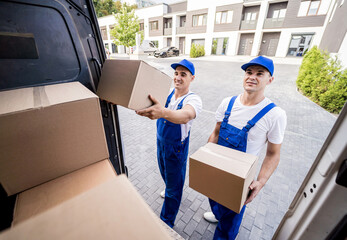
(49, 42)
(319, 209)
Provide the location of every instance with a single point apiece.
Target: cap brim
(175, 65)
(245, 66)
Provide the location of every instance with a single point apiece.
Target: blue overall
(172, 156)
(229, 136)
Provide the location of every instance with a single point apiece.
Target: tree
(108, 7)
(127, 25)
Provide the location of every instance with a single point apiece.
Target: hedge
(197, 51)
(322, 79)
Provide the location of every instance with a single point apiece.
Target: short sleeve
(194, 101)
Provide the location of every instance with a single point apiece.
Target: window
(103, 33)
(182, 21)
(142, 26)
(299, 44)
(153, 25)
(219, 46)
(168, 23)
(250, 16)
(280, 13)
(199, 20)
(310, 8)
(198, 42)
(313, 8)
(224, 17)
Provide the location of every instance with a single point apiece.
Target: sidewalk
(223, 58)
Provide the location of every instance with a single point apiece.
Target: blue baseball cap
(185, 63)
(260, 61)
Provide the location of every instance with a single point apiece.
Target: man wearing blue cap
(173, 130)
(246, 123)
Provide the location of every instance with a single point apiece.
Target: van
(148, 47)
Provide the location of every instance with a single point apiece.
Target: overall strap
(259, 115)
(180, 105)
(230, 106)
(169, 98)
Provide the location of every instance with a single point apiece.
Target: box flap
(67, 92)
(18, 100)
(111, 210)
(230, 160)
(117, 80)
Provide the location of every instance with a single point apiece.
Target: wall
(293, 21)
(336, 29)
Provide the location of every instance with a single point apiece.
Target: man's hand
(255, 187)
(153, 112)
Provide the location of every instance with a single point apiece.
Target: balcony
(248, 25)
(167, 31)
(181, 30)
(273, 22)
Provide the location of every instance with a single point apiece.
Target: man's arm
(215, 134)
(269, 165)
(156, 111)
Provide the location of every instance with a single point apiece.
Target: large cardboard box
(222, 174)
(47, 132)
(47, 195)
(129, 82)
(112, 210)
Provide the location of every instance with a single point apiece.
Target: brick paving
(308, 126)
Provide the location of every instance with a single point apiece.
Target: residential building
(279, 28)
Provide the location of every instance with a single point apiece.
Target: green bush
(310, 70)
(322, 80)
(335, 97)
(197, 51)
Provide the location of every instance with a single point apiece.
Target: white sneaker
(209, 216)
(162, 194)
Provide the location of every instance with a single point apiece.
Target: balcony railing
(273, 22)
(181, 30)
(167, 31)
(248, 24)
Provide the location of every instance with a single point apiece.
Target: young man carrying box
(173, 130)
(246, 123)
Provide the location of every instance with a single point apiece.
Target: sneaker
(162, 194)
(209, 216)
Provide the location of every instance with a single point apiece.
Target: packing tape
(40, 97)
(209, 151)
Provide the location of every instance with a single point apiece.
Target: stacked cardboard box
(47, 132)
(54, 154)
(222, 174)
(91, 203)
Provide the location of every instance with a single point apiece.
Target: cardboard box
(45, 196)
(129, 82)
(47, 132)
(222, 174)
(112, 210)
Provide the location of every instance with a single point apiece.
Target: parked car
(167, 52)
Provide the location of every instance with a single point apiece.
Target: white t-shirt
(269, 128)
(193, 100)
